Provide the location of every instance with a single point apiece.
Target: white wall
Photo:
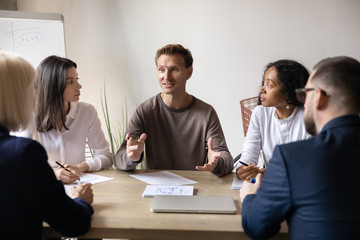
(231, 41)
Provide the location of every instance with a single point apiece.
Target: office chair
(247, 106)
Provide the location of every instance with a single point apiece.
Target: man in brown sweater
(180, 132)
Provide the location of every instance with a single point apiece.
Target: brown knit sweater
(176, 138)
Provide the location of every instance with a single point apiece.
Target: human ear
(321, 100)
(190, 69)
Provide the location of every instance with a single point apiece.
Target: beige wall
(231, 40)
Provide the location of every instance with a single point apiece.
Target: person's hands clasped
(66, 176)
(247, 172)
(83, 191)
(213, 158)
(134, 146)
(249, 187)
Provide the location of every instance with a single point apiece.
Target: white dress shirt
(68, 146)
(266, 131)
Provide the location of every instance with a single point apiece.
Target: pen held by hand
(62, 166)
(242, 163)
(245, 164)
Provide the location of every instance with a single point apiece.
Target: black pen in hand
(245, 164)
(242, 163)
(62, 166)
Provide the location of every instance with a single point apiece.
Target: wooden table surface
(122, 212)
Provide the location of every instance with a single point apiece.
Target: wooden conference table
(121, 212)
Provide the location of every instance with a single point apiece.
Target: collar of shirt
(289, 118)
(73, 110)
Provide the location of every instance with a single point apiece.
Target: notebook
(194, 204)
(237, 183)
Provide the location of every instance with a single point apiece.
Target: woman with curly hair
(279, 118)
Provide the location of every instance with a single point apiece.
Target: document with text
(152, 190)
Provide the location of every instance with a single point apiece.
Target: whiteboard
(33, 36)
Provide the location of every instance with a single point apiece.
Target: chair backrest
(247, 106)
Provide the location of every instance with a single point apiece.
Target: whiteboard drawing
(33, 39)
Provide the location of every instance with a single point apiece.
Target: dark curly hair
(292, 75)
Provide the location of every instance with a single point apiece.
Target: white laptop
(194, 204)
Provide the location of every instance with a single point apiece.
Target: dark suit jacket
(313, 184)
(31, 194)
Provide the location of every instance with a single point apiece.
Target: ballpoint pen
(237, 163)
(62, 166)
(245, 164)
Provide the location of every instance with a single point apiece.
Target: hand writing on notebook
(135, 146)
(213, 158)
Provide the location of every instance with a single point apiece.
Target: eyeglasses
(301, 93)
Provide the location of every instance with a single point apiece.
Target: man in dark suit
(314, 184)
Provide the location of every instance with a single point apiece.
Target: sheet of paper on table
(87, 178)
(152, 190)
(162, 178)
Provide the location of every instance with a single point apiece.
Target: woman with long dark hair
(64, 125)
